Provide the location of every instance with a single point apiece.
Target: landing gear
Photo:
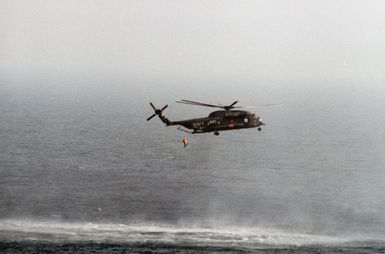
(216, 133)
(259, 128)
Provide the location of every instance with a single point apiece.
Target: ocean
(82, 171)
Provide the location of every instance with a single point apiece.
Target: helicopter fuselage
(220, 121)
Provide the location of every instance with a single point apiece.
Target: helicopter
(229, 118)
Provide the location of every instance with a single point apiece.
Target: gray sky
(210, 39)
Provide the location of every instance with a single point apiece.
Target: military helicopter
(220, 120)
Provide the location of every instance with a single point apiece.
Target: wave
(56, 231)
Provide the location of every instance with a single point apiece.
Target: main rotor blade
(262, 105)
(198, 104)
(231, 105)
(152, 105)
(164, 107)
(148, 119)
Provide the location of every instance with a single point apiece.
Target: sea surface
(82, 171)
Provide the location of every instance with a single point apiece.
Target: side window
(211, 122)
(246, 120)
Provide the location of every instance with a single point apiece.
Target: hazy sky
(210, 39)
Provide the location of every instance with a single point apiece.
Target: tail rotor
(158, 112)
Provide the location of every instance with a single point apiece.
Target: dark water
(81, 170)
(105, 247)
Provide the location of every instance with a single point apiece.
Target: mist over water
(84, 164)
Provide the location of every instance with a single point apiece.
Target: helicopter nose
(260, 121)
